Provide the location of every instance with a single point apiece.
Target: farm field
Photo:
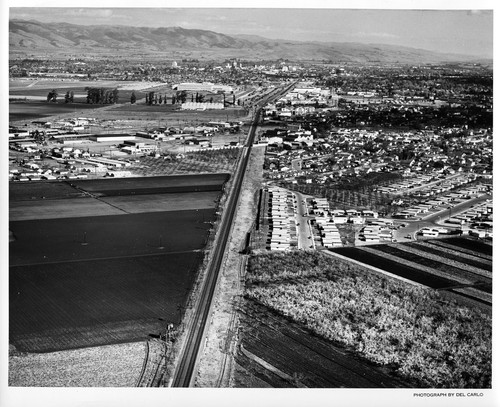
(60, 239)
(185, 201)
(59, 208)
(36, 190)
(104, 366)
(376, 331)
(106, 258)
(97, 302)
(441, 264)
(141, 111)
(307, 360)
(153, 185)
(37, 110)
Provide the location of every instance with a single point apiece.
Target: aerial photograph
(262, 202)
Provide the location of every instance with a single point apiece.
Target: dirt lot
(216, 364)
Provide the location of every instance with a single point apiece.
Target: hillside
(32, 38)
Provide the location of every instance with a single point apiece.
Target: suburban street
(437, 218)
(305, 240)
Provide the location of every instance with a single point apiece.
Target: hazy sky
(456, 31)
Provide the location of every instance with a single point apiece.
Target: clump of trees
(52, 96)
(426, 339)
(101, 96)
(69, 97)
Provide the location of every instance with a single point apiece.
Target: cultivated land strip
(445, 261)
(128, 256)
(461, 249)
(460, 256)
(417, 266)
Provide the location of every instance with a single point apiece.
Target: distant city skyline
(468, 32)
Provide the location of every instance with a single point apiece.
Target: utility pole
(168, 338)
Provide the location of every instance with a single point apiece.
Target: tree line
(101, 95)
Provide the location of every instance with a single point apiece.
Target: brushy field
(204, 161)
(423, 337)
(104, 366)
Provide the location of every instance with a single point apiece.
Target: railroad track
(196, 327)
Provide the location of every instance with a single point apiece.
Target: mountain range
(33, 38)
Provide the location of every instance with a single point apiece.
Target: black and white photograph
(248, 204)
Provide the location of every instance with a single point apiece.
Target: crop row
(469, 246)
(453, 268)
(454, 254)
(395, 267)
(440, 256)
(451, 273)
(98, 301)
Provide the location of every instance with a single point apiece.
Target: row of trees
(101, 95)
(153, 98)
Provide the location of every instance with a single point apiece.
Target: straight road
(438, 218)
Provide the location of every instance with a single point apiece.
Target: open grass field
(97, 302)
